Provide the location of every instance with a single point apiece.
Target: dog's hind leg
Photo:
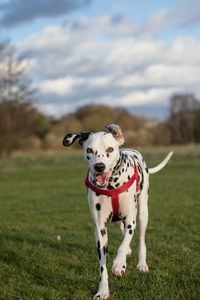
(143, 221)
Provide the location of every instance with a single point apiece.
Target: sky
(133, 54)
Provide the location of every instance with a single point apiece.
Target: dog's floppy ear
(70, 138)
(116, 132)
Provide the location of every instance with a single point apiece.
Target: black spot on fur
(124, 218)
(130, 231)
(147, 170)
(107, 154)
(124, 267)
(141, 185)
(139, 168)
(98, 245)
(103, 232)
(99, 253)
(104, 250)
(110, 187)
(109, 219)
(116, 185)
(133, 222)
(123, 170)
(96, 152)
(117, 164)
(102, 269)
(128, 165)
(88, 157)
(115, 179)
(129, 226)
(129, 177)
(98, 206)
(142, 177)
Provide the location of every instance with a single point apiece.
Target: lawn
(47, 247)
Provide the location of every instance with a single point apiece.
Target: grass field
(43, 198)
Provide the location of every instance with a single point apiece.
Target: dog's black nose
(99, 167)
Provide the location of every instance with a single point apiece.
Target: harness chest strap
(114, 193)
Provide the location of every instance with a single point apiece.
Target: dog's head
(101, 151)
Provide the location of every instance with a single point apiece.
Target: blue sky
(133, 54)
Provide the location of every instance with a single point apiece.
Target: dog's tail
(162, 164)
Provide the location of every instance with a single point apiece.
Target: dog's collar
(114, 193)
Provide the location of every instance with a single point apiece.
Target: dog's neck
(122, 171)
(119, 164)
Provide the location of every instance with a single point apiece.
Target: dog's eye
(89, 151)
(109, 150)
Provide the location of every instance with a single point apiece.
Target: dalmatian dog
(118, 189)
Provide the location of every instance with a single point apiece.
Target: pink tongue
(101, 179)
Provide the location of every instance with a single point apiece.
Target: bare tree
(19, 120)
(14, 85)
(183, 118)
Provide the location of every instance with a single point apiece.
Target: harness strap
(114, 193)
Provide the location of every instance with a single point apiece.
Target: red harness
(114, 193)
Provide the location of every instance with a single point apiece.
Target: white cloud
(60, 87)
(184, 51)
(151, 96)
(101, 81)
(163, 76)
(185, 14)
(103, 61)
(53, 110)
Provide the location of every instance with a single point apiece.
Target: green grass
(43, 197)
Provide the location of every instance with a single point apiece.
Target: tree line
(23, 127)
(20, 121)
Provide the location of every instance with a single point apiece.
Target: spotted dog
(118, 189)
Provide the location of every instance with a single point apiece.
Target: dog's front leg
(119, 264)
(102, 249)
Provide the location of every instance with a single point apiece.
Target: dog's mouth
(102, 178)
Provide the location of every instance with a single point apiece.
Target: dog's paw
(143, 267)
(101, 295)
(119, 266)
